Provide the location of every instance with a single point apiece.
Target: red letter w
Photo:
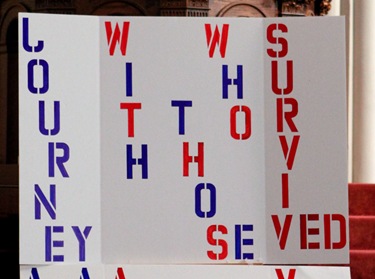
(214, 39)
(115, 37)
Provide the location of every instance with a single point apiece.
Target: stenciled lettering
(286, 109)
(217, 242)
(25, 38)
(131, 161)
(49, 204)
(43, 64)
(280, 274)
(312, 226)
(130, 107)
(59, 161)
(238, 81)
(198, 200)
(117, 37)
(240, 241)
(181, 104)
(187, 159)
(216, 39)
(56, 119)
(245, 110)
(81, 237)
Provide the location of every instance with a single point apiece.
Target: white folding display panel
(183, 272)
(182, 140)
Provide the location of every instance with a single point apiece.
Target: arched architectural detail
(189, 8)
(10, 14)
(120, 8)
(300, 8)
(55, 6)
(12, 94)
(247, 10)
(9, 82)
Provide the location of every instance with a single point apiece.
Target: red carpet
(362, 230)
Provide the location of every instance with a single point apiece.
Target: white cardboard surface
(166, 92)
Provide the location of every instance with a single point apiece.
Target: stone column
(3, 99)
(363, 91)
(345, 8)
(335, 9)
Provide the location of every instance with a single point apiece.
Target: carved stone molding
(55, 6)
(241, 9)
(192, 7)
(306, 7)
(184, 8)
(324, 7)
(298, 7)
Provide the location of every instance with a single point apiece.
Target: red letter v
(120, 273)
(291, 275)
(289, 153)
(282, 233)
